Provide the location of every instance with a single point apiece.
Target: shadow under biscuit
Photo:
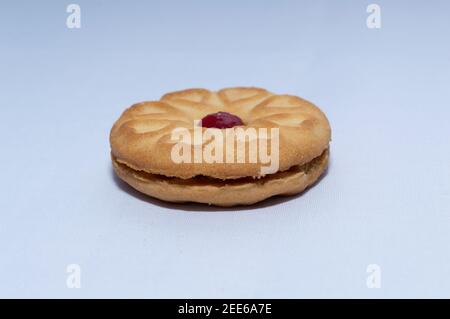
(196, 207)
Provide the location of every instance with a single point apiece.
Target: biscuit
(141, 147)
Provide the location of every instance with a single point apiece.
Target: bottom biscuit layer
(242, 191)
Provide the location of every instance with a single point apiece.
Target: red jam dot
(221, 120)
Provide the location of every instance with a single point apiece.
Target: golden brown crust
(141, 136)
(245, 191)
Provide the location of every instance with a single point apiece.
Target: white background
(384, 200)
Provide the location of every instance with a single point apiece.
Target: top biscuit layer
(141, 137)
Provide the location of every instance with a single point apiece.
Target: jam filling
(221, 120)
